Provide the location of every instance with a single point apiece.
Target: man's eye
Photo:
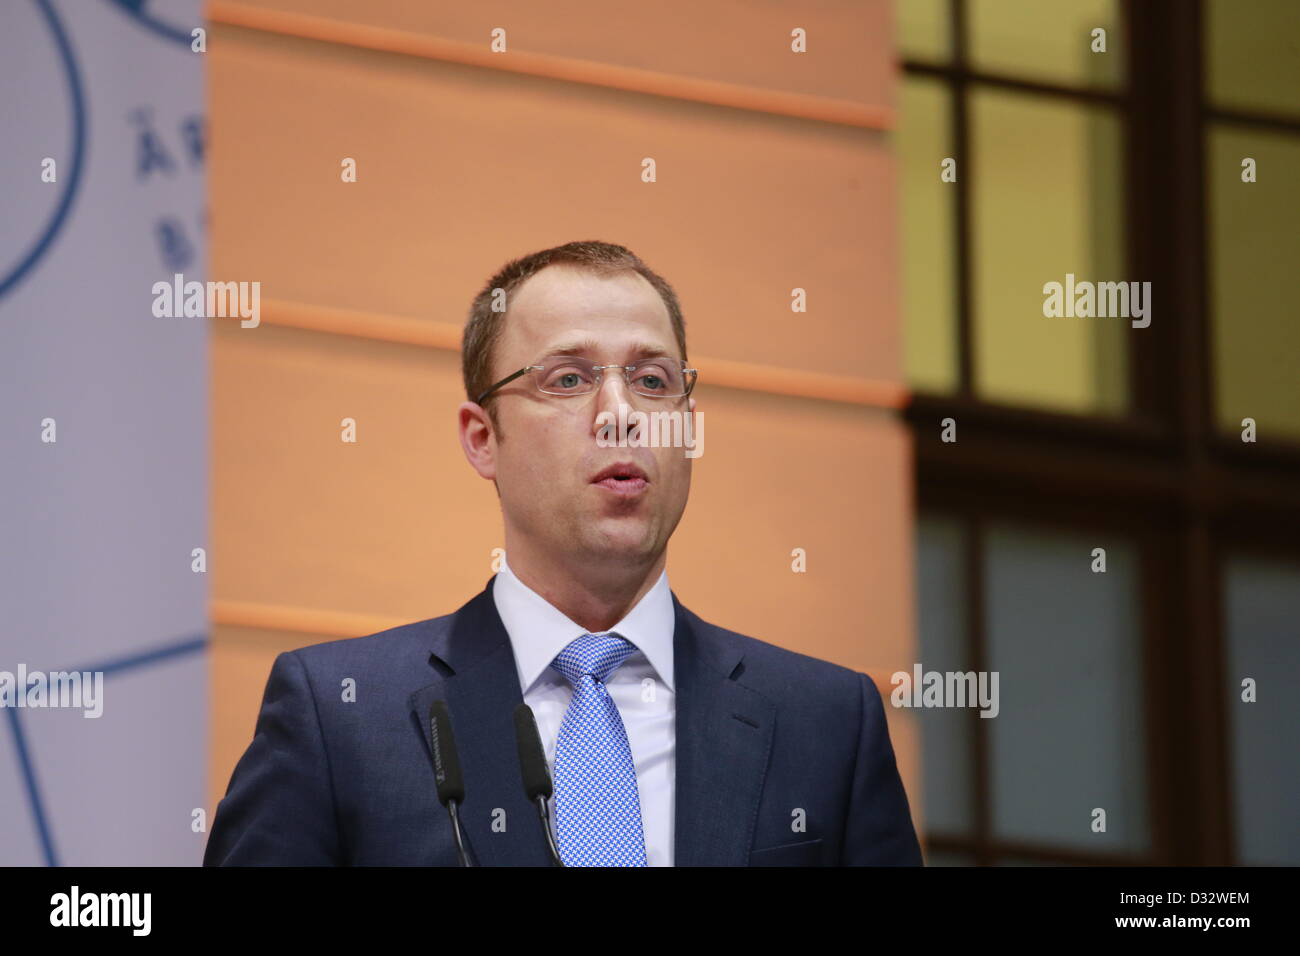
(568, 378)
(655, 378)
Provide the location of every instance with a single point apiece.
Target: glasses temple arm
(505, 381)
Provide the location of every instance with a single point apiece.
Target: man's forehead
(575, 306)
(576, 291)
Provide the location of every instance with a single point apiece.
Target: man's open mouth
(623, 478)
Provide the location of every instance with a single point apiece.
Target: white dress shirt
(642, 689)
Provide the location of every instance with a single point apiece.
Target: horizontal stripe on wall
(341, 624)
(631, 79)
(767, 379)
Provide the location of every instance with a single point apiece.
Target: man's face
(545, 465)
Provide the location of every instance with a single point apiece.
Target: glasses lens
(661, 377)
(565, 375)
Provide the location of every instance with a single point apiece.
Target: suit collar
(475, 633)
(538, 630)
(723, 739)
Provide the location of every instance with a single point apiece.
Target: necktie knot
(593, 655)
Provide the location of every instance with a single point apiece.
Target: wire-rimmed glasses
(657, 377)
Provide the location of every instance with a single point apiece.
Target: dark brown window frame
(1163, 475)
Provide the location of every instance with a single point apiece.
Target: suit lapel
(724, 736)
(479, 681)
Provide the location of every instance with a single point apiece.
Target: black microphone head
(532, 758)
(446, 762)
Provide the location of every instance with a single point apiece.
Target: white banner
(103, 435)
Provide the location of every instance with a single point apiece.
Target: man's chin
(625, 541)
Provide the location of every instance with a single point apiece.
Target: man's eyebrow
(639, 349)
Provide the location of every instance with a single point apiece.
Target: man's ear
(478, 439)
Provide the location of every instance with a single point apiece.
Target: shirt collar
(538, 630)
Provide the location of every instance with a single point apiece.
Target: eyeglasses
(659, 377)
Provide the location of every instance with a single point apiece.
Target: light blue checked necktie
(597, 809)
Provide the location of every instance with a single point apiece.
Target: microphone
(447, 774)
(532, 767)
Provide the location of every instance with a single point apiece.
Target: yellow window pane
(1252, 54)
(1254, 254)
(924, 29)
(1045, 205)
(929, 238)
(1051, 41)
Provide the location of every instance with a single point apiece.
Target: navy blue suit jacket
(761, 732)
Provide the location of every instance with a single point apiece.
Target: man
(671, 741)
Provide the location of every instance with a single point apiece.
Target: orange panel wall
(774, 172)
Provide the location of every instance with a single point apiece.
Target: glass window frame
(1185, 491)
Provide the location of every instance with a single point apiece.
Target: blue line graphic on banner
(33, 788)
(136, 9)
(56, 222)
(27, 768)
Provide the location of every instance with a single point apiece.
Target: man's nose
(613, 391)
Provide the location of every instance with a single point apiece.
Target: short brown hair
(484, 327)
